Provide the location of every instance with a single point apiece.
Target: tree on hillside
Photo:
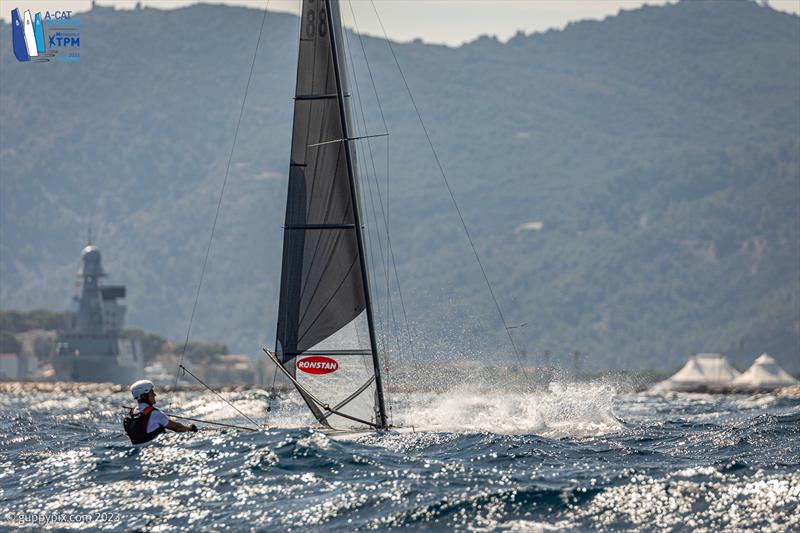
(198, 351)
(152, 343)
(9, 343)
(21, 321)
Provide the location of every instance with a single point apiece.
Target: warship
(91, 347)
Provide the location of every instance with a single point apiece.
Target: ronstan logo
(318, 364)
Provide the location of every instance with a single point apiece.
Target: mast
(356, 216)
(325, 340)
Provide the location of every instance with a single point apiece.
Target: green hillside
(658, 150)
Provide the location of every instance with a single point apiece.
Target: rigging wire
(201, 382)
(216, 218)
(202, 421)
(384, 262)
(379, 320)
(385, 212)
(390, 308)
(380, 198)
(382, 320)
(450, 191)
(389, 311)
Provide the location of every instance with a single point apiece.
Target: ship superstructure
(91, 347)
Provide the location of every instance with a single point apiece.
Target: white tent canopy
(701, 372)
(764, 374)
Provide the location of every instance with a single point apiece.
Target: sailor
(145, 422)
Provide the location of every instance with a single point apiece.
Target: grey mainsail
(325, 338)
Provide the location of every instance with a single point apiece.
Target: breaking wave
(564, 409)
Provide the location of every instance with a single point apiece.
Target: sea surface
(572, 457)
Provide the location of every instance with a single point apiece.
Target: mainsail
(325, 339)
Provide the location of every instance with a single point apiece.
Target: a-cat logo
(317, 364)
(32, 43)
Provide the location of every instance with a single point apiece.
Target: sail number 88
(316, 24)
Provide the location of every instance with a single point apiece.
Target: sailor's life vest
(135, 425)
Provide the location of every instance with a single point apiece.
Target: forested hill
(632, 185)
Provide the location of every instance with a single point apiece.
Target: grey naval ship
(91, 347)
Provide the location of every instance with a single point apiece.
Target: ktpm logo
(31, 42)
(318, 364)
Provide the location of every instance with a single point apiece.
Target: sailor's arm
(180, 428)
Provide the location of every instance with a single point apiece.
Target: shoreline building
(17, 367)
(90, 347)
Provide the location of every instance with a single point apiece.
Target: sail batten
(325, 335)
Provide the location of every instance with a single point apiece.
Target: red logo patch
(318, 364)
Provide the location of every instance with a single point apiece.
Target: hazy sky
(436, 21)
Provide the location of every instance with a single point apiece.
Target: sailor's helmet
(143, 386)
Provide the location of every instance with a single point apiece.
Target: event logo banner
(39, 38)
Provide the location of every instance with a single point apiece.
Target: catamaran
(325, 341)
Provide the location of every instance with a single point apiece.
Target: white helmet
(143, 386)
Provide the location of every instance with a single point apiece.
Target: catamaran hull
(351, 435)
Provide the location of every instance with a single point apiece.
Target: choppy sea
(574, 457)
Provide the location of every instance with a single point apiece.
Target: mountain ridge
(658, 149)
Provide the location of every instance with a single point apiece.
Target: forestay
(325, 338)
